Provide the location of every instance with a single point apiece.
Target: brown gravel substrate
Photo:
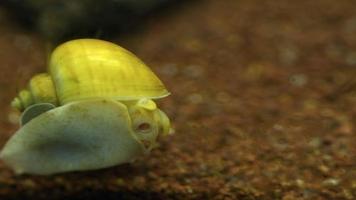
(263, 103)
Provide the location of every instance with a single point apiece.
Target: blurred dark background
(62, 20)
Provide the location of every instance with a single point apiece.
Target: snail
(93, 109)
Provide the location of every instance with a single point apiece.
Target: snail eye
(143, 127)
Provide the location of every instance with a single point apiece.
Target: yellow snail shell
(90, 68)
(94, 109)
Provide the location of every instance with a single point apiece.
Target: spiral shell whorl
(23, 100)
(40, 90)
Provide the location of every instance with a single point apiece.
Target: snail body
(55, 142)
(93, 109)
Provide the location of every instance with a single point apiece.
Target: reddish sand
(263, 103)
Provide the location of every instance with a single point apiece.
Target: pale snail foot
(77, 137)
